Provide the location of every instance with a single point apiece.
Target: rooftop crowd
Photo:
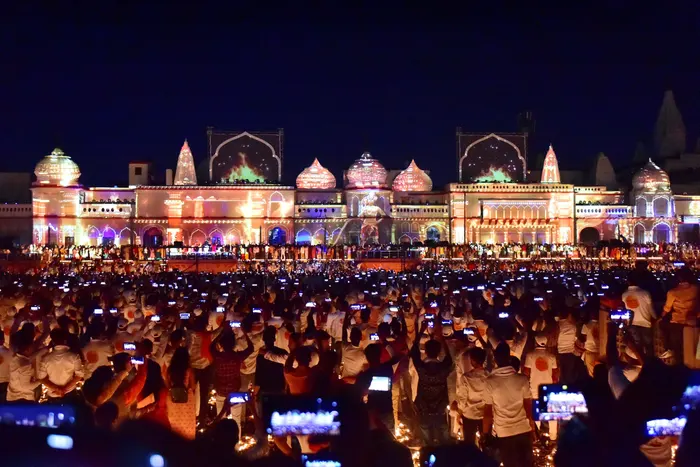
(526, 251)
(151, 358)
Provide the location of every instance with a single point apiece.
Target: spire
(669, 134)
(185, 171)
(604, 173)
(550, 169)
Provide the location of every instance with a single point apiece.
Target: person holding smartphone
(227, 364)
(432, 395)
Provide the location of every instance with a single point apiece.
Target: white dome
(413, 178)
(651, 178)
(366, 172)
(57, 169)
(316, 177)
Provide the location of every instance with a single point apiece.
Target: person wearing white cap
(541, 367)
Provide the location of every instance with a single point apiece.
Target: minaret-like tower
(669, 134)
(185, 172)
(550, 169)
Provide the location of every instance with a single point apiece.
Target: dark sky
(129, 83)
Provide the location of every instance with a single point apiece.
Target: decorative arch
(354, 206)
(335, 236)
(661, 232)
(197, 237)
(277, 235)
(274, 206)
(661, 206)
(233, 237)
(492, 135)
(405, 239)
(320, 237)
(640, 207)
(303, 237)
(152, 236)
(589, 236)
(109, 236)
(245, 133)
(277, 197)
(216, 237)
(640, 233)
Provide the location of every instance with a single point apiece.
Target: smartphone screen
(97, 311)
(238, 398)
(374, 337)
(469, 332)
(257, 311)
(235, 324)
(137, 360)
(666, 427)
(380, 383)
(37, 415)
(559, 402)
(220, 309)
(184, 316)
(129, 346)
(286, 415)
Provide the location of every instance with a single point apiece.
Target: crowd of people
(436, 357)
(243, 252)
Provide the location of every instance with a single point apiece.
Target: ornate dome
(316, 177)
(366, 172)
(57, 169)
(412, 179)
(651, 178)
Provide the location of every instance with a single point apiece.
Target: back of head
(269, 335)
(432, 348)
(477, 356)
(303, 356)
(384, 330)
(373, 353)
(502, 355)
(59, 336)
(633, 278)
(685, 275)
(355, 336)
(120, 361)
(227, 341)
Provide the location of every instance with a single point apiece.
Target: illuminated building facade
(244, 202)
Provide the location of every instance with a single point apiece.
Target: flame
(244, 172)
(494, 174)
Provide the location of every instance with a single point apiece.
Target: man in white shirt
(98, 350)
(353, 355)
(639, 301)
(508, 411)
(470, 394)
(23, 381)
(541, 367)
(624, 370)
(60, 370)
(571, 367)
(590, 334)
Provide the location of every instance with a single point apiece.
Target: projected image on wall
(492, 159)
(244, 158)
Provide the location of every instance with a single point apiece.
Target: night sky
(125, 84)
